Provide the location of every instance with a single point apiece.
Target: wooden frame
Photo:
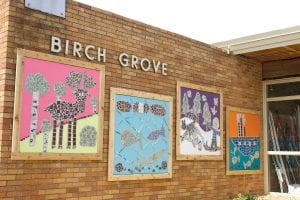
(17, 154)
(229, 130)
(114, 94)
(214, 93)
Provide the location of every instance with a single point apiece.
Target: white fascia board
(268, 40)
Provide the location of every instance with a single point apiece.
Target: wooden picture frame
(63, 108)
(140, 135)
(243, 139)
(199, 129)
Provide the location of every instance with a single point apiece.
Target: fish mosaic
(254, 156)
(155, 134)
(123, 106)
(141, 144)
(235, 159)
(151, 159)
(247, 164)
(157, 109)
(128, 138)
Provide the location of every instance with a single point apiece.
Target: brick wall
(4, 73)
(188, 60)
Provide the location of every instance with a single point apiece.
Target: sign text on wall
(144, 63)
(92, 52)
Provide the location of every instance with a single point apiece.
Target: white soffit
(262, 41)
(53, 7)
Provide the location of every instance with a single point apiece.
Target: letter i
(67, 47)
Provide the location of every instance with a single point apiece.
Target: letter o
(148, 64)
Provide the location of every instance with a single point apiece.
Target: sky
(208, 21)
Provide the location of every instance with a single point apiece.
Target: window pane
(283, 89)
(284, 125)
(284, 174)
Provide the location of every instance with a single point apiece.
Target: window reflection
(285, 174)
(283, 89)
(284, 125)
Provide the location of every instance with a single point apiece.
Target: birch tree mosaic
(64, 108)
(197, 110)
(199, 122)
(94, 102)
(140, 135)
(37, 85)
(46, 128)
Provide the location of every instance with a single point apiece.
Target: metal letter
(156, 65)
(55, 44)
(148, 64)
(103, 55)
(76, 49)
(86, 52)
(123, 59)
(134, 61)
(67, 47)
(164, 69)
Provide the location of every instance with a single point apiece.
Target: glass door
(282, 135)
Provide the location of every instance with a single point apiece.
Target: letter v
(156, 65)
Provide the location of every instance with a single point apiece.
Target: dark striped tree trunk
(74, 132)
(69, 134)
(54, 134)
(60, 136)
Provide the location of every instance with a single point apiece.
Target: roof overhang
(269, 40)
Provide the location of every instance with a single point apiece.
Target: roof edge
(262, 41)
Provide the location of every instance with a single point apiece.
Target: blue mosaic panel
(141, 137)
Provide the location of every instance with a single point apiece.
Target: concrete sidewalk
(278, 197)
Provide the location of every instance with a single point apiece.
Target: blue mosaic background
(244, 153)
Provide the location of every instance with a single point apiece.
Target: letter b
(55, 44)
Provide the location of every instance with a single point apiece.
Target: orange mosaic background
(252, 124)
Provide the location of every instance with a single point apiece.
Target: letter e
(164, 69)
